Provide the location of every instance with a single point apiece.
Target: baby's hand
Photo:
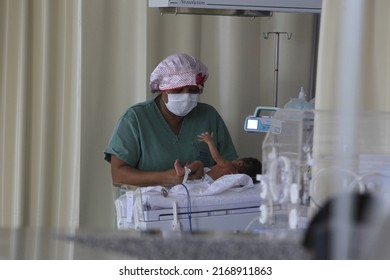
(205, 137)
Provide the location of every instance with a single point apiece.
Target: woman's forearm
(124, 174)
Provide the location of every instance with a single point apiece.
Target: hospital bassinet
(233, 208)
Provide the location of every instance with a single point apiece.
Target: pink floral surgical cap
(177, 71)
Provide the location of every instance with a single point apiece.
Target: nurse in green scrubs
(150, 136)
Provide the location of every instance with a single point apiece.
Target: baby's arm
(217, 157)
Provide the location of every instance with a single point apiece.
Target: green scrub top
(143, 139)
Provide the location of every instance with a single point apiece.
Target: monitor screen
(252, 124)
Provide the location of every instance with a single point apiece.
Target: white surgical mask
(181, 104)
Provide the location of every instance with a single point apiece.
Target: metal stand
(276, 62)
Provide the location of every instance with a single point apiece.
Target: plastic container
(299, 103)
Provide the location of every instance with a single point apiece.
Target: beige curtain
(70, 68)
(40, 102)
(353, 71)
(354, 58)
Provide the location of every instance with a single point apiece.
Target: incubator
(306, 162)
(287, 159)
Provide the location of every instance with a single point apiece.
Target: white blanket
(233, 182)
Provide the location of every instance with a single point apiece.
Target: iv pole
(276, 61)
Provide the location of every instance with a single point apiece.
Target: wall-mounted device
(260, 121)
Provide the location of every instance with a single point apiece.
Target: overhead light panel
(249, 8)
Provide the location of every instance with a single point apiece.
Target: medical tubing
(360, 181)
(251, 223)
(313, 187)
(188, 206)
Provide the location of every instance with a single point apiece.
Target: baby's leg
(179, 169)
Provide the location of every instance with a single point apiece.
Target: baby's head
(249, 166)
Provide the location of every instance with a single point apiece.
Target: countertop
(27, 243)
